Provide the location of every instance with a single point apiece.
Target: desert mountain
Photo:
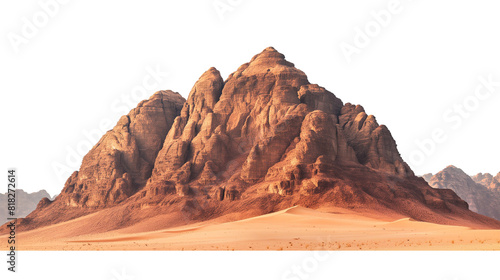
(263, 140)
(427, 177)
(487, 180)
(477, 192)
(26, 202)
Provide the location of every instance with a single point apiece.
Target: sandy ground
(296, 228)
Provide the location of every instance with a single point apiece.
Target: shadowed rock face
(481, 199)
(373, 144)
(262, 140)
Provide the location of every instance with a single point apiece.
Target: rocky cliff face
(270, 118)
(122, 161)
(262, 140)
(481, 199)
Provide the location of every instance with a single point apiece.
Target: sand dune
(296, 228)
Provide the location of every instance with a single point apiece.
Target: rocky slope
(263, 140)
(26, 202)
(481, 199)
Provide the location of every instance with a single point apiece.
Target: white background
(75, 70)
(257, 265)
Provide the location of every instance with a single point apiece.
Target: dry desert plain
(296, 228)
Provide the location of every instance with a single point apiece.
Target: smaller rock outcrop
(481, 199)
(26, 203)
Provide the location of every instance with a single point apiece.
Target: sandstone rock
(263, 140)
(208, 176)
(44, 202)
(317, 98)
(192, 130)
(373, 144)
(220, 193)
(121, 162)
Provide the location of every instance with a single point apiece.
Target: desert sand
(296, 228)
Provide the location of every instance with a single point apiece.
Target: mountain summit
(263, 140)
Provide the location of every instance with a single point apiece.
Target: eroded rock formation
(260, 141)
(122, 161)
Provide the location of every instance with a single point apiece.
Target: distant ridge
(26, 203)
(481, 191)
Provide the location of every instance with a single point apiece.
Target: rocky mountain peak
(260, 141)
(266, 116)
(475, 190)
(454, 168)
(270, 57)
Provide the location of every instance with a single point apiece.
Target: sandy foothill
(296, 228)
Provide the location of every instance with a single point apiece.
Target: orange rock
(263, 140)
